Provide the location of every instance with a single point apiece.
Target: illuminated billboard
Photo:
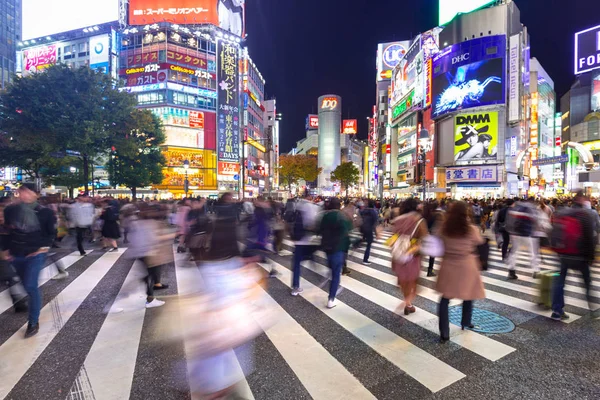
(43, 17)
(596, 92)
(228, 15)
(39, 58)
(388, 56)
(469, 74)
(476, 137)
(587, 50)
(312, 122)
(228, 97)
(451, 8)
(349, 126)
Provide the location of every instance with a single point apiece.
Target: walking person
(110, 227)
(432, 215)
(458, 277)
(521, 225)
(31, 232)
(82, 216)
(334, 233)
(370, 220)
(303, 226)
(410, 223)
(500, 226)
(574, 239)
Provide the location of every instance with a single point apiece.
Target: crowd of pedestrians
(226, 239)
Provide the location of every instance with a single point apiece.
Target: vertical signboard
(388, 56)
(228, 97)
(99, 51)
(513, 91)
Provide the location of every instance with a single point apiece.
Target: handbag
(432, 246)
(401, 249)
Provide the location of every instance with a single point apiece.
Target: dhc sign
(587, 50)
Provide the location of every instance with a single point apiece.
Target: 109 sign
(329, 103)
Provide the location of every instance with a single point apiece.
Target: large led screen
(469, 74)
(228, 15)
(46, 17)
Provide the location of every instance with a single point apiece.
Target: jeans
(301, 251)
(431, 264)
(152, 279)
(467, 312)
(558, 292)
(505, 244)
(369, 239)
(80, 232)
(335, 261)
(28, 269)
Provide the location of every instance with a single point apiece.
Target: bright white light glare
(43, 17)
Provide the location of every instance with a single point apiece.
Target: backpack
(330, 240)
(402, 245)
(298, 231)
(567, 235)
(289, 214)
(521, 221)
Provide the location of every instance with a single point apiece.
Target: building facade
(10, 35)
(330, 122)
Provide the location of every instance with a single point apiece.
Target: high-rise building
(330, 122)
(10, 35)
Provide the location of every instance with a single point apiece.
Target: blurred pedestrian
(459, 277)
(334, 233)
(82, 217)
(110, 228)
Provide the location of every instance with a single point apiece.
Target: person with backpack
(370, 220)
(521, 225)
(31, 230)
(477, 212)
(334, 233)
(573, 238)
(302, 227)
(500, 226)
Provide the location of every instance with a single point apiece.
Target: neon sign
(329, 103)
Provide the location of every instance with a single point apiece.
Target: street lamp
(424, 147)
(73, 170)
(186, 183)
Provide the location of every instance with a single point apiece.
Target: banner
(514, 97)
(479, 174)
(388, 56)
(39, 58)
(476, 137)
(349, 126)
(469, 74)
(99, 49)
(228, 97)
(312, 122)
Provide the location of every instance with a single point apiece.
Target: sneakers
(273, 273)
(512, 275)
(297, 291)
(559, 317)
(113, 250)
(431, 273)
(346, 271)
(32, 330)
(155, 303)
(366, 263)
(60, 275)
(331, 303)
(161, 287)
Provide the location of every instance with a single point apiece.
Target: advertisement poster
(227, 15)
(409, 75)
(99, 51)
(469, 74)
(196, 119)
(477, 174)
(312, 122)
(596, 92)
(514, 97)
(349, 126)
(476, 137)
(39, 58)
(388, 56)
(228, 97)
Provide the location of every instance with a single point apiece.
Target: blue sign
(469, 74)
(392, 55)
(236, 177)
(563, 158)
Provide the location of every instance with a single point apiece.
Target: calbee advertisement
(476, 137)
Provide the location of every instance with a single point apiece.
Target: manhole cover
(484, 321)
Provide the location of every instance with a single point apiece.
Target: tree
(66, 172)
(297, 167)
(58, 112)
(347, 174)
(136, 158)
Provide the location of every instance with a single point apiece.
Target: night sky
(307, 48)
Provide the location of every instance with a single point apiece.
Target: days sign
(99, 52)
(349, 126)
(587, 50)
(514, 58)
(451, 8)
(388, 56)
(476, 137)
(469, 74)
(312, 122)
(228, 99)
(472, 173)
(228, 169)
(329, 103)
(227, 15)
(562, 159)
(39, 58)
(196, 119)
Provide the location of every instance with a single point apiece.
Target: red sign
(558, 142)
(143, 12)
(196, 119)
(229, 169)
(39, 58)
(350, 126)
(428, 82)
(313, 121)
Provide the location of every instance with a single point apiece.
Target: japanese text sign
(228, 120)
(142, 12)
(350, 126)
(39, 58)
(472, 174)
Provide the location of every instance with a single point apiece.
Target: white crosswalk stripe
(110, 363)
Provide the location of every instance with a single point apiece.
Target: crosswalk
(98, 341)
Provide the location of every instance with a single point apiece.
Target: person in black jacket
(110, 229)
(500, 227)
(31, 231)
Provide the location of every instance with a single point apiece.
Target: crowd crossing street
(98, 341)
